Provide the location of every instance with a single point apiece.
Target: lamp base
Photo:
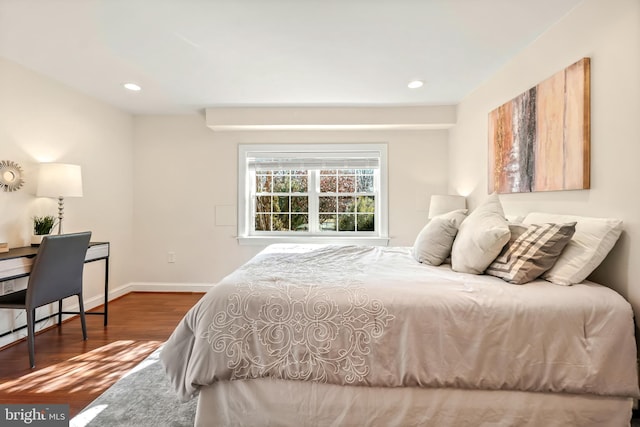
(60, 213)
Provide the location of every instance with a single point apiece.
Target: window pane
(299, 222)
(327, 204)
(347, 184)
(281, 222)
(299, 204)
(366, 204)
(263, 222)
(347, 222)
(327, 222)
(289, 198)
(346, 204)
(328, 183)
(299, 184)
(366, 222)
(263, 204)
(280, 203)
(280, 184)
(365, 184)
(263, 183)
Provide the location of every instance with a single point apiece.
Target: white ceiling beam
(330, 118)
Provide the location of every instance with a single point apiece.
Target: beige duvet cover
(373, 316)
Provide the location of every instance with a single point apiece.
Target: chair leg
(59, 313)
(82, 317)
(31, 336)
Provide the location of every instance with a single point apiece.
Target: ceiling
(192, 54)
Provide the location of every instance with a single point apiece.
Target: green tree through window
(346, 200)
(320, 192)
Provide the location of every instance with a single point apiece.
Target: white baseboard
(164, 287)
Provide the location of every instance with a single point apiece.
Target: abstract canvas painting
(540, 140)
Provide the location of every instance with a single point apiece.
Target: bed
(328, 335)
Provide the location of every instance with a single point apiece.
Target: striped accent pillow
(532, 250)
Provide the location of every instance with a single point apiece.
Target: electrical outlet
(9, 286)
(171, 257)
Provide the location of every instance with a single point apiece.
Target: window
(310, 193)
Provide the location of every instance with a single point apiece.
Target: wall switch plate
(171, 257)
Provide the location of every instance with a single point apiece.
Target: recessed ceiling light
(132, 86)
(415, 84)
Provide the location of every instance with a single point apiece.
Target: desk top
(31, 251)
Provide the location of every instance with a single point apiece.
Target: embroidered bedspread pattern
(298, 317)
(372, 316)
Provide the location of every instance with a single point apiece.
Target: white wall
(184, 170)
(609, 33)
(41, 120)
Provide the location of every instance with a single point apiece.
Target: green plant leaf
(43, 224)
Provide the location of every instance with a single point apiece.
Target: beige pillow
(532, 250)
(592, 241)
(480, 238)
(434, 242)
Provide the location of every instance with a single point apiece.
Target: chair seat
(14, 299)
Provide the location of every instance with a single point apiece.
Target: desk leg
(104, 313)
(106, 291)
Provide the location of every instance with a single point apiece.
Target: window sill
(336, 240)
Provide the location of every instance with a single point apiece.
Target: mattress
(362, 316)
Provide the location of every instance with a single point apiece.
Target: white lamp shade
(442, 204)
(59, 179)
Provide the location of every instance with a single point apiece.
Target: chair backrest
(57, 269)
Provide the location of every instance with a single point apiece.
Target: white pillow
(480, 238)
(592, 241)
(514, 219)
(434, 242)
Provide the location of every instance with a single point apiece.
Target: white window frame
(379, 237)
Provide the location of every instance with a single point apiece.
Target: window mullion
(378, 199)
(251, 202)
(314, 190)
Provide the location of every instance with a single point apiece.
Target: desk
(17, 263)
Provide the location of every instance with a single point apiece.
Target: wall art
(540, 140)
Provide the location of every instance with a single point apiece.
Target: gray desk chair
(56, 274)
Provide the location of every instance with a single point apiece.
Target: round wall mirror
(10, 175)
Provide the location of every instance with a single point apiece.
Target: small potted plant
(42, 225)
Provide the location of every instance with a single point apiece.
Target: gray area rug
(143, 397)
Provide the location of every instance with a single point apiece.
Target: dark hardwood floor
(70, 370)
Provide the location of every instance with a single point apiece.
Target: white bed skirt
(281, 403)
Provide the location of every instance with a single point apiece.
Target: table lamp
(59, 180)
(441, 204)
